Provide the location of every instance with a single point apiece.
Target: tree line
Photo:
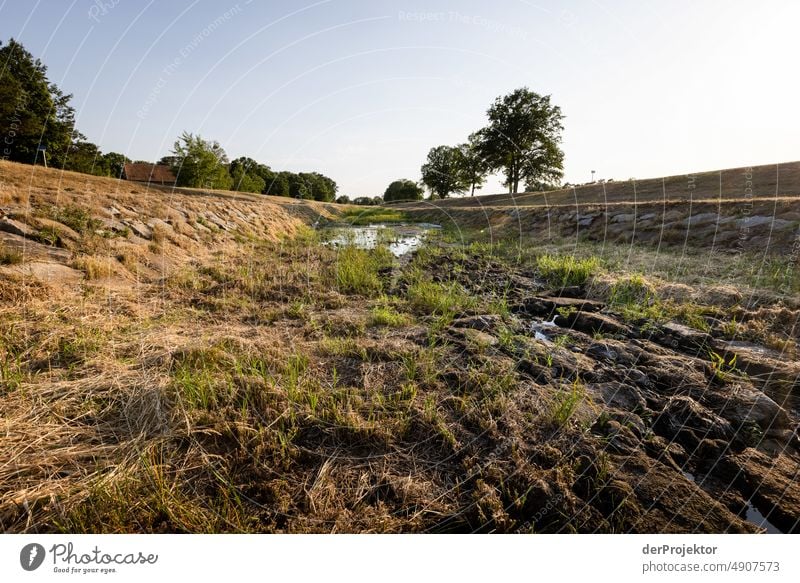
(201, 163)
(522, 140)
(36, 115)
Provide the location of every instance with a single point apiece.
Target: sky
(361, 90)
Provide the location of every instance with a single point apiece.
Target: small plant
(383, 315)
(76, 218)
(439, 299)
(9, 256)
(297, 310)
(358, 270)
(561, 341)
(566, 311)
(565, 404)
(93, 267)
(721, 368)
(566, 270)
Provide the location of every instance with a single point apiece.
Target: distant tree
(443, 172)
(363, 200)
(278, 185)
(473, 167)
(523, 137)
(112, 163)
(540, 186)
(318, 186)
(33, 111)
(403, 189)
(170, 161)
(200, 163)
(83, 156)
(246, 174)
(344, 199)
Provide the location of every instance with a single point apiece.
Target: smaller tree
(278, 184)
(112, 164)
(473, 166)
(83, 156)
(200, 163)
(403, 189)
(443, 172)
(246, 175)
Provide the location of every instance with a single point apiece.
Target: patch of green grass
(76, 218)
(566, 270)
(367, 216)
(382, 315)
(439, 299)
(357, 271)
(635, 299)
(349, 347)
(565, 404)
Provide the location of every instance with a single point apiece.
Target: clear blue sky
(360, 90)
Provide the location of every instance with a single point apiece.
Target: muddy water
(400, 239)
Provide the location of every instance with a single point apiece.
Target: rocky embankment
(674, 429)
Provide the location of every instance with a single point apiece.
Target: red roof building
(149, 173)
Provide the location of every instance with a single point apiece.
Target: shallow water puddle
(400, 239)
(754, 516)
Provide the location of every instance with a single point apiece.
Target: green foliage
(439, 299)
(721, 368)
(358, 270)
(402, 189)
(565, 403)
(371, 216)
(442, 173)
(248, 175)
(566, 270)
(523, 137)
(33, 110)
(473, 167)
(383, 315)
(200, 163)
(76, 218)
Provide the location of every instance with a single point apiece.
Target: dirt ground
(201, 362)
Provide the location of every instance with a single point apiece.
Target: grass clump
(9, 256)
(565, 404)
(93, 267)
(388, 316)
(358, 270)
(439, 299)
(76, 218)
(566, 270)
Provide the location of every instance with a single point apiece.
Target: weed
(9, 256)
(566, 270)
(439, 299)
(565, 404)
(382, 315)
(722, 369)
(76, 218)
(357, 270)
(93, 267)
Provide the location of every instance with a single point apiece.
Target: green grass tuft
(566, 270)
